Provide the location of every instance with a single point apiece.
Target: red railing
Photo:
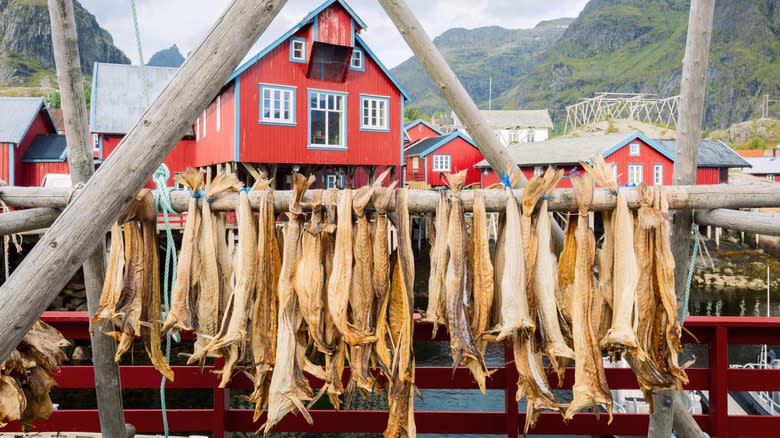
(717, 378)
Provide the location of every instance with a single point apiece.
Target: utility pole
(108, 387)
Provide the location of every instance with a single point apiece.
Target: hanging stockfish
(341, 277)
(532, 192)
(233, 332)
(545, 272)
(462, 347)
(399, 327)
(211, 284)
(510, 265)
(361, 294)
(112, 285)
(532, 380)
(265, 311)
(14, 402)
(437, 295)
(381, 273)
(605, 176)
(289, 388)
(590, 383)
(181, 315)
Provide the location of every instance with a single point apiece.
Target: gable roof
(46, 148)
(118, 100)
(309, 19)
(414, 123)
(572, 150)
(16, 116)
(763, 165)
(712, 153)
(426, 146)
(514, 119)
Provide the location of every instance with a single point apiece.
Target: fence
(717, 378)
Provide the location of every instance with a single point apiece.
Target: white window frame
(375, 117)
(297, 45)
(538, 170)
(219, 112)
(415, 163)
(635, 178)
(357, 61)
(275, 97)
(658, 178)
(334, 103)
(770, 177)
(441, 163)
(334, 181)
(633, 149)
(614, 172)
(95, 142)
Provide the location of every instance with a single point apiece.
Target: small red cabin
(419, 129)
(764, 164)
(427, 159)
(23, 120)
(637, 158)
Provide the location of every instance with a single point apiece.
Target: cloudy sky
(184, 22)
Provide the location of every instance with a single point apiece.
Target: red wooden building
(637, 158)
(764, 164)
(316, 100)
(419, 129)
(427, 159)
(22, 121)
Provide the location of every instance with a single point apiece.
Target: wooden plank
(108, 388)
(27, 220)
(59, 253)
(746, 221)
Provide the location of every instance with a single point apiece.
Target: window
(514, 136)
(297, 50)
(204, 123)
(356, 63)
(441, 163)
(333, 181)
(373, 113)
(219, 112)
(633, 149)
(277, 105)
(95, 143)
(658, 175)
(531, 135)
(416, 163)
(327, 119)
(634, 173)
(614, 172)
(538, 170)
(770, 177)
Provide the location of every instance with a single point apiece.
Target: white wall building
(514, 126)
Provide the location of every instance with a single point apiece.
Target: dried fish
(13, 401)
(112, 285)
(590, 383)
(532, 380)
(211, 284)
(181, 316)
(437, 301)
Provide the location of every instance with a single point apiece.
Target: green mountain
(26, 53)
(637, 46)
(477, 55)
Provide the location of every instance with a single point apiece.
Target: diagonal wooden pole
(459, 100)
(66, 245)
(108, 387)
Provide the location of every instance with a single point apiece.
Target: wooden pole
(744, 221)
(108, 387)
(459, 100)
(27, 220)
(60, 252)
(662, 418)
(692, 87)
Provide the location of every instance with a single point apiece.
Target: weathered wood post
(66, 245)
(108, 387)
(459, 100)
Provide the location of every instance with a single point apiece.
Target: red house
(427, 159)
(22, 120)
(419, 129)
(637, 157)
(317, 99)
(764, 164)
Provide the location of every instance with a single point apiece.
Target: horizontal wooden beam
(424, 201)
(27, 220)
(747, 221)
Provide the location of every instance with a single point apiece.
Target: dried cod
(437, 301)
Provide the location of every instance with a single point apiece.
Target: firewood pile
(332, 289)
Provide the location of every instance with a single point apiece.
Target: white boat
(760, 402)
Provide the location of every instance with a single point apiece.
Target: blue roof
(46, 148)
(647, 140)
(309, 19)
(712, 153)
(414, 123)
(426, 146)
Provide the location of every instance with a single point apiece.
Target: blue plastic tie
(573, 172)
(244, 189)
(378, 210)
(194, 195)
(505, 180)
(624, 185)
(330, 216)
(545, 197)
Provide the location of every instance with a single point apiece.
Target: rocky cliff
(26, 54)
(170, 57)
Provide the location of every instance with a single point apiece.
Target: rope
(695, 229)
(162, 202)
(505, 180)
(140, 57)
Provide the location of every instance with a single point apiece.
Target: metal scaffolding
(641, 107)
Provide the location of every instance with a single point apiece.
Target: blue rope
(162, 202)
(194, 195)
(626, 186)
(690, 273)
(572, 172)
(505, 180)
